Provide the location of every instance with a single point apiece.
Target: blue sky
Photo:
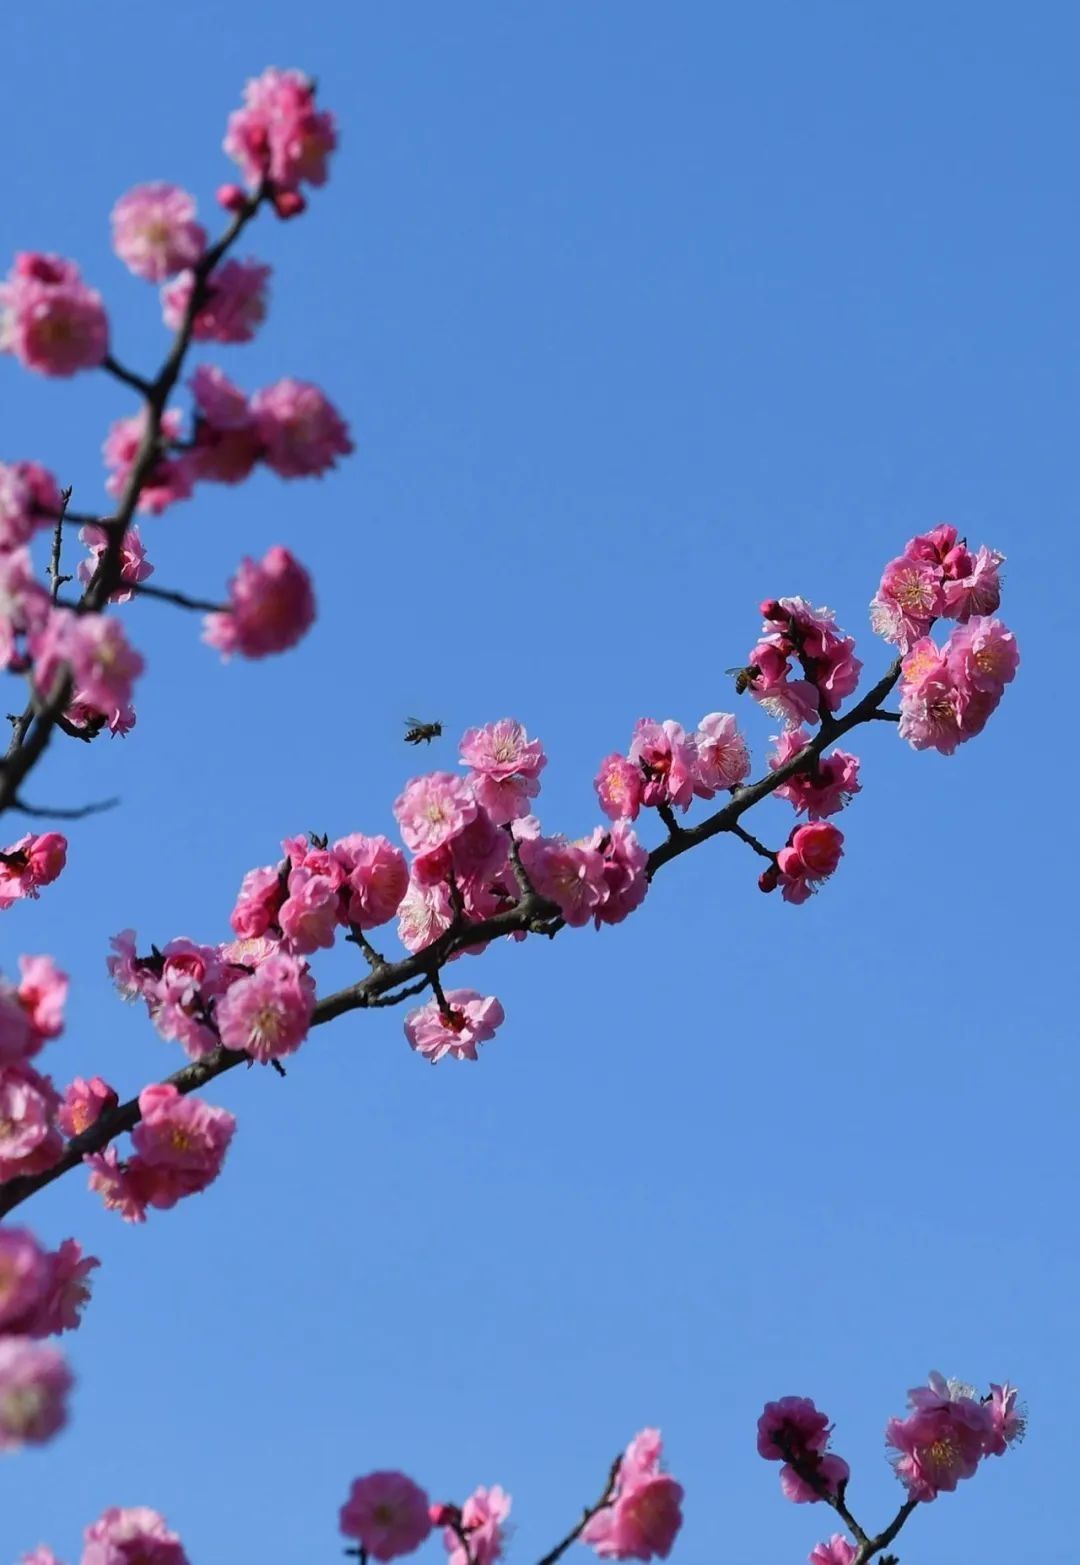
(639, 314)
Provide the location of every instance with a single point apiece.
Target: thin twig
(129, 377)
(143, 589)
(752, 842)
(602, 1503)
(57, 544)
(65, 813)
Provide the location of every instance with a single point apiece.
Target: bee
(419, 732)
(744, 677)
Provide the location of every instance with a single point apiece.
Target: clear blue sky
(639, 314)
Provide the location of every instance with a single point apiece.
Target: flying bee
(419, 732)
(744, 677)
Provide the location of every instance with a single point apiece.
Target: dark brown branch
(871, 1546)
(144, 590)
(57, 543)
(129, 377)
(575, 1533)
(61, 813)
(532, 913)
(752, 842)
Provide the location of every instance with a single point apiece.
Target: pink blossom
(83, 1104)
(34, 1386)
(377, 878)
(432, 810)
(829, 1472)
(103, 665)
(644, 1515)
(258, 904)
(470, 1019)
(32, 862)
(791, 1429)
(425, 913)
(133, 976)
(1008, 1423)
(170, 477)
(982, 654)
(505, 768)
(942, 1440)
(24, 605)
(29, 1139)
(29, 500)
(227, 444)
(837, 1551)
(946, 695)
(625, 866)
(909, 599)
(483, 1518)
(135, 1536)
(667, 759)
(301, 431)
(271, 606)
(234, 302)
(42, 994)
(619, 786)
(180, 1144)
(66, 1292)
(279, 135)
(134, 566)
(154, 231)
(722, 759)
(811, 856)
(570, 874)
(49, 318)
(16, 1034)
(387, 1514)
(24, 1274)
(309, 914)
(267, 1014)
(978, 590)
(122, 1188)
(824, 787)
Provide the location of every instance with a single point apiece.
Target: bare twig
(575, 1532)
(143, 589)
(64, 813)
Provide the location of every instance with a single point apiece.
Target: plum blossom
(483, 1519)
(271, 606)
(570, 874)
(301, 432)
(132, 1536)
(947, 694)
(51, 320)
(41, 994)
(425, 913)
(267, 1014)
(722, 758)
(432, 810)
(34, 1386)
(29, 1139)
(104, 666)
(666, 759)
(823, 788)
(836, 1551)
(23, 1275)
(643, 1517)
(154, 231)
(234, 302)
(34, 861)
(811, 856)
(505, 766)
(180, 1145)
(227, 444)
(134, 566)
(795, 1432)
(376, 879)
(619, 786)
(942, 1440)
(29, 500)
(793, 634)
(387, 1514)
(83, 1104)
(170, 477)
(469, 1019)
(279, 136)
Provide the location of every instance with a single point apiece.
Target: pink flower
(505, 767)
(942, 1440)
(909, 599)
(666, 759)
(169, 479)
(377, 878)
(425, 913)
(825, 787)
(134, 566)
(643, 1518)
(301, 431)
(32, 862)
(29, 1139)
(387, 1514)
(483, 1518)
(121, 1188)
(49, 318)
(66, 1291)
(29, 501)
(309, 915)
(978, 590)
(135, 1536)
(432, 810)
(625, 872)
(103, 665)
(16, 1034)
(471, 1019)
(268, 1013)
(723, 760)
(83, 1104)
(24, 605)
(154, 231)
(796, 633)
(810, 857)
(262, 892)
(24, 1274)
(271, 606)
(1008, 1422)
(227, 444)
(42, 994)
(947, 695)
(619, 786)
(234, 302)
(982, 655)
(34, 1386)
(180, 1144)
(279, 135)
(837, 1551)
(829, 1472)
(570, 874)
(791, 1428)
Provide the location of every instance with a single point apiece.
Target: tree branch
(143, 589)
(575, 1533)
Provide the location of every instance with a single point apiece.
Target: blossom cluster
(948, 1432)
(638, 1517)
(936, 577)
(129, 1535)
(802, 665)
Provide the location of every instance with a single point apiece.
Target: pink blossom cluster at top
(644, 1515)
(50, 319)
(802, 665)
(936, 577)
(666, 766)
(279, 138)
(948, 693)
(132, 1535)
(948, 1432)
(795, 1432)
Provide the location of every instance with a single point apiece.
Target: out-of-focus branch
(575, 1532)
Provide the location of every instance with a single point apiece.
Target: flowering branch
(602, 1504)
